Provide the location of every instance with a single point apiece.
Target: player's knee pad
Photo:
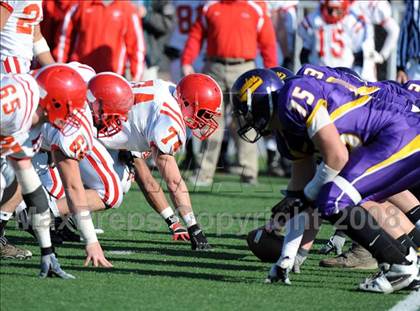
(335, 196)
(37, 199)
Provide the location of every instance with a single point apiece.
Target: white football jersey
(74, 140)
(18, 33)
(373, 11)
(186, 13)
(332, 44)
(155, 120)
(19, 98)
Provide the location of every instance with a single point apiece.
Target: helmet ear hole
(57, 105)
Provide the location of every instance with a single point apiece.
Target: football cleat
(198, 239)
(393, 277)
(335, 244)
(10, 251)
(66, 230)
(179, 233)
(50, 267)
(280, 273)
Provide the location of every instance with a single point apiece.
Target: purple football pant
(381, 168)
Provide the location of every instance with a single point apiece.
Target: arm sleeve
(65, 36)
(267, 42)
(194, 42)
(360, 35)
(167, 134)
(134, 41)
(392, 29)
(306, 111)
(8, 5)
(74, 145)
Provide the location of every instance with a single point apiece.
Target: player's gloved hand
(280, 273)
(376, 57)
(179, 232)
(95, 254)
(50, 267)
(293, 203)
(198, 239)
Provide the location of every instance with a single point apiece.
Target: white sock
(41, 225)
(167, 212)
(189, 219)
(5, 215)
(293, 236)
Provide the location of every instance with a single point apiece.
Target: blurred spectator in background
(104, 35)
(157, 24)
(283, 15)
(376, 12)
(332, 36)
(408, 55)
(21, 37)
(186, 13)
(233, 30)
(54, 12)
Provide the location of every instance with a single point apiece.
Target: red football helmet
(62, 93)
(110, 97)
(200, 99)
(333, 11)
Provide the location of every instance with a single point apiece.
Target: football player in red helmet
(62, 102)
(200, 98)
(156, 125)
(110, 97)
(333, 11)
(62, 93)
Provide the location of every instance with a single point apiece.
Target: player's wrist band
(41, 46)
(323, 175)
(85, 226)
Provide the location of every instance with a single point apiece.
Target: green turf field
(153, 273)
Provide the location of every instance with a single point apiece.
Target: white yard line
(409, 303)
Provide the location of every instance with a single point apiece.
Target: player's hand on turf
(50, 267)
(198, 239)
(179, 233)
(95, 254)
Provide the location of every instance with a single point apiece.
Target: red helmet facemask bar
(203, 125)
(108, 124)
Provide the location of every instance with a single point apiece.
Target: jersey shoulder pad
(19, 102)
(168, 133)
(318, 72)
(73, 141)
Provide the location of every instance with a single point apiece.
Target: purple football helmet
(252, 101)
(282, 73)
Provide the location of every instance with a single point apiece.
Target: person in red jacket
(54, 12)
(234, 30)
(104, 35)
